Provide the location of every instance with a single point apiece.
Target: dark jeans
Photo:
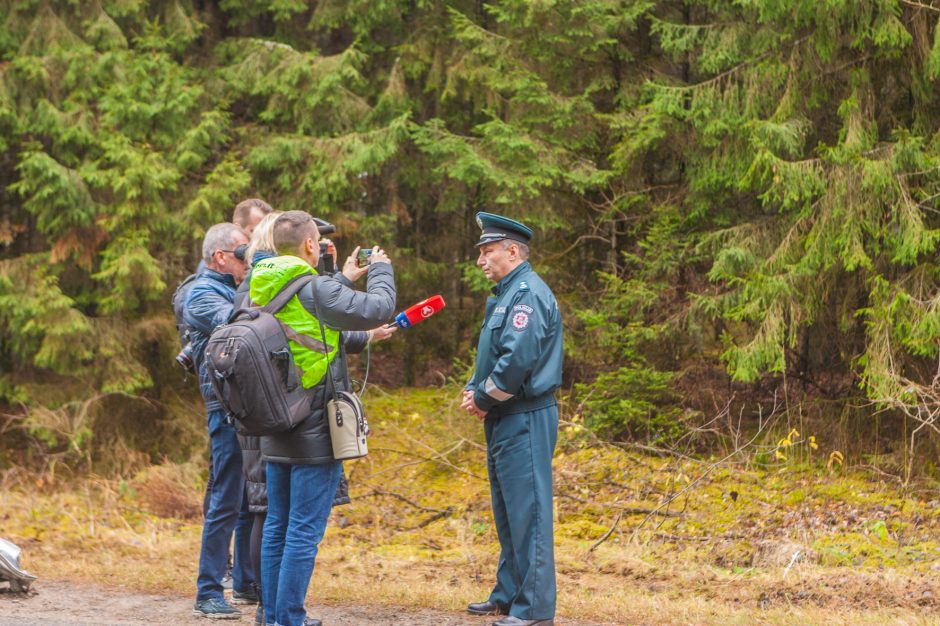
(257, 526)
(299, 501)
(228, 512)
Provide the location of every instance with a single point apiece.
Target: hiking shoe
(216, 608)
(248, 596)
(259, 616)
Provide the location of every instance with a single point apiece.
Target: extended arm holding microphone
(417, 313)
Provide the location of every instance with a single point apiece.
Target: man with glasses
(209, 304)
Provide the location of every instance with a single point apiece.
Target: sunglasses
(239, 252)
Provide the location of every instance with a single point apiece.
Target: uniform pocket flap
(496, 321)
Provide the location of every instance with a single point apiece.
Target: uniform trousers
(519, 454)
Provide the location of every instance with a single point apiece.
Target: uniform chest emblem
(520, 320)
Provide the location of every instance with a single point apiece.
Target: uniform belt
(523, 405)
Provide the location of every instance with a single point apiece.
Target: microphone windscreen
(419, 312)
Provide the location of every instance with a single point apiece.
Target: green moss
(580, 529)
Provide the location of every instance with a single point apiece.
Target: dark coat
(209, 304)
(252, 462)
(345, 309)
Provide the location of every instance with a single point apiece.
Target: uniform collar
(508, 279)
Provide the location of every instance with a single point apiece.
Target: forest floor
(779, 532)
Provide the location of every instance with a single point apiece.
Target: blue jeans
(228, 512)
(300, 498)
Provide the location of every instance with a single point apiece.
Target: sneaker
(227, 581)
(216, 608)
(310, 621)
(248, 596)
(259, 616)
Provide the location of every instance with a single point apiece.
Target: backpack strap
(288, 291)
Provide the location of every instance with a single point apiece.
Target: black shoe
(216, 608)
(487, 608)
(515, 621)
(248, 596)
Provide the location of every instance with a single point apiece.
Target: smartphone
(364, 257)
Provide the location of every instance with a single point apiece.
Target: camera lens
(185, 359)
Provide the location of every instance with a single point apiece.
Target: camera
(364, 257)
(327, 263)
(185, 359)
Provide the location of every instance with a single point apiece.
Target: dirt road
(52, 603)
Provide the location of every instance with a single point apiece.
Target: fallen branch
(436, 459)
(408, 501)
(629, 510)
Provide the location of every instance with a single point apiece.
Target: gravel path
(52, 603)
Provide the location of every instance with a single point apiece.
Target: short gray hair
(523, 248)
(219, 237)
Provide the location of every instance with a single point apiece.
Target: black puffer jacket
(345, 309)
(253, 465)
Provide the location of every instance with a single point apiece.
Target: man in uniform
(518, 369)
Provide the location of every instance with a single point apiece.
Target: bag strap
(288, 291)
(329, 370)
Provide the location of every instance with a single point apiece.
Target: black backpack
(252, 369)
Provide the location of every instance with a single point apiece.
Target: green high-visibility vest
(267, 278)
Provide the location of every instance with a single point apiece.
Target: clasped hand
(470, 405)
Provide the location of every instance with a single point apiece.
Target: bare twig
(920, 5)
(712, 467)
(607, 535)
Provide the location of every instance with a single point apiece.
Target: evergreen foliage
(753, 183)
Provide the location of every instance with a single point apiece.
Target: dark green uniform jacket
(520, 350)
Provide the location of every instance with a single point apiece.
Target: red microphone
(419, 312)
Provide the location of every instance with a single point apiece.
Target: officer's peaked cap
(497, 228)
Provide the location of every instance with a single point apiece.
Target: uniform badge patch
(520, 320)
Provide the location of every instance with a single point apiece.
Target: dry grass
(419, 532)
